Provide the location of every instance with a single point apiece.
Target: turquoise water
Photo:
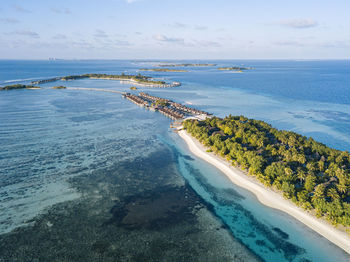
(272, 234)
(49, 136)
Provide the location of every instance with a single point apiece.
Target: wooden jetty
(136, 99)
(176, 106)
(153, 98)
(171, 113)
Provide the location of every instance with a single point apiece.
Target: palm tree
(342, 188)
(301, 175)
(319, 192)
(301, 158)
(333, 193)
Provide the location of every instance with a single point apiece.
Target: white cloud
(163, 38)
(60, 37)
(183, 26)
(179, 25)
(204, 43)
(9, 21)
(199, 27)
(63, 10)
(297, 23)
(288, 43)
(186, 43)
(28, 33)
(19, 8)
(100, 33)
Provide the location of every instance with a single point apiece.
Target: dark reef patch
(278, 239)
(187, 157)
(156, 209)
(281, 233)
(260, 243)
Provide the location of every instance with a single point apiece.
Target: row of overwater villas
(176, 111)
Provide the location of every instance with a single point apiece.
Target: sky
(175, 29)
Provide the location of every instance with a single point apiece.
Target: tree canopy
(309, 173)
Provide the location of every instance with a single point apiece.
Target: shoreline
(147, 83)
(267, 196)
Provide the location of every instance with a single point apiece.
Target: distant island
(59, 87)
(185, 65)
(163, 70)
(134, 79)
(133, 88)
(19, 86)
(140, 79)
(310, 174)
(234, 68)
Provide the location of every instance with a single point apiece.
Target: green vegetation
(234, 68)
(185, 65)
(140, 79)
(307, 172)
(19, 86)
(163, 70)
(161, 102)
(133, 88)
(59, 87)
(73, 77)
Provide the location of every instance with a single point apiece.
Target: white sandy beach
(267, 196)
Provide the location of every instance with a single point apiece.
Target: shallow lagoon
(105, 187)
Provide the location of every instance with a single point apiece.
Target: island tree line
(312, 175)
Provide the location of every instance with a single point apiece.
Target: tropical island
(123, 78)
(162, 70)
(310, 174)
(185, 65)
(271, 163)
(19, 86)
(285, 170)
(234, 68)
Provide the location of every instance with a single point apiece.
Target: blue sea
(50, 139)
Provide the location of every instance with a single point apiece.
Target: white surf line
(268, 197)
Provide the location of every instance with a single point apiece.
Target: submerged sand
(267, 196)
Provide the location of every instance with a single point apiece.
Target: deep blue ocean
(50, 136)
